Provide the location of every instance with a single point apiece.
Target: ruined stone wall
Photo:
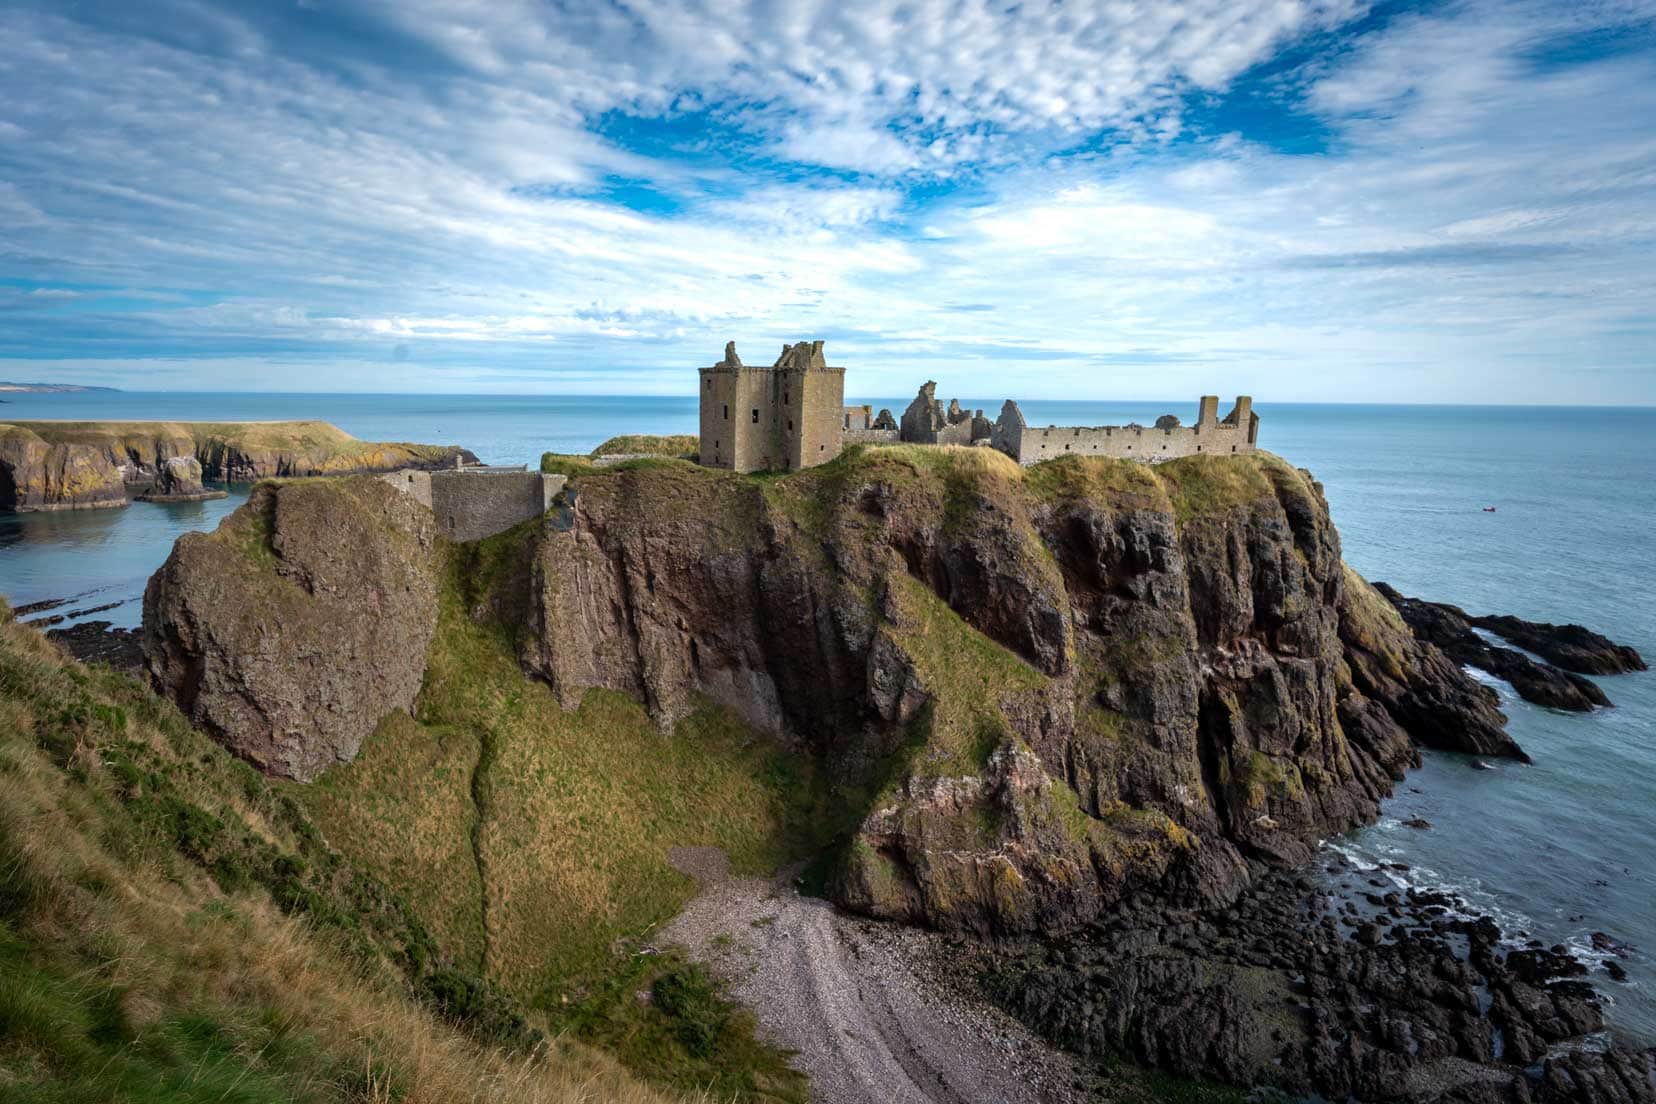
(414, 484)
(1236, 435)
(859, 417)
(872, 437)
(471, 505)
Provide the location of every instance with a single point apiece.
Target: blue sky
(1303, 199)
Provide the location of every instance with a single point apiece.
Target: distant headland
(48, 388)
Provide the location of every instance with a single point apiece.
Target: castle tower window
(727, 412)
(756, 415)
(790, 425)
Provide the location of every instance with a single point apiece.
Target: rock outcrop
(1037, 692)
(1450, 629)
(37, 476)
(1401, 997)
(301, 621)
(178, 479)
(77, 465)
(1571, 647)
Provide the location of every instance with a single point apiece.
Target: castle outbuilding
(787, 416)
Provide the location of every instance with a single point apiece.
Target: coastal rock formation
(289, 631)
(1401, 998)
(178, 479)
(75, 465)
(1038, 692)
(1057, 688)
(1450, 629)
(37, 476)
(1571, 647)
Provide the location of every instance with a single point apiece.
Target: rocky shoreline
(1329, 981)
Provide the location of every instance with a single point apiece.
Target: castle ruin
(789, 415)
(792, 415)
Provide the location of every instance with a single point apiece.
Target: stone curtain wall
(415, 484)
(471, 505)
(1129, 442)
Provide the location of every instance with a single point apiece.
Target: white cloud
(1472, 209)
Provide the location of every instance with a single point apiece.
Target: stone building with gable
(787, 416)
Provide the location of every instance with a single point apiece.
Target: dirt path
(855, 999)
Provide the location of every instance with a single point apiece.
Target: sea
(1559, 849)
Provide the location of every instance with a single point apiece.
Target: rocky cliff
(291, 630)
(76, 465)
(1034, 691)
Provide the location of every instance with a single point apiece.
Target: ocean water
(1559, 849)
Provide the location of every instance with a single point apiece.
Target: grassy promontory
(51, 465)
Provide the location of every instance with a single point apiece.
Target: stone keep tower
(787, 416)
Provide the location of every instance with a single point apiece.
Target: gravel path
(858, 1001)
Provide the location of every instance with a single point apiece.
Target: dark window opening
(790, 425)
(727, 412)
(1233, 448)
(756, 415)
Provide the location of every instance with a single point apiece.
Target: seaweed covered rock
(302, 620)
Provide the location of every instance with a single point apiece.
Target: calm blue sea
(1561, 848)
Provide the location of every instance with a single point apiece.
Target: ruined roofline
(802, 356)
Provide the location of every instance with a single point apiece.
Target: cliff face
(291, 630)
(75, 465)
(1033, 691)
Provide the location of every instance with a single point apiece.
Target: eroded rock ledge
(1036, 692)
